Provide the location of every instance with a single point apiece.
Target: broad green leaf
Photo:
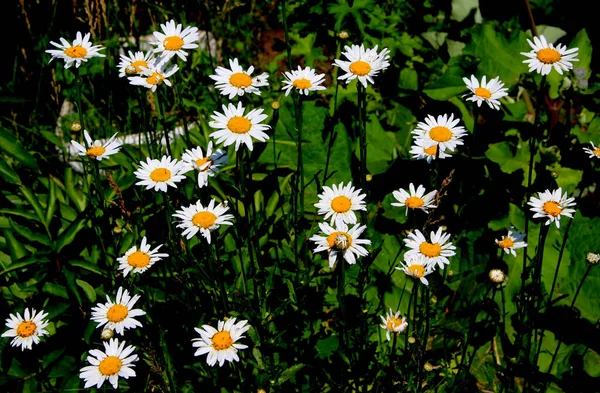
(380, 147)
(87, 289)
(87, 266)
(56, 290)
(13, 148)
(568, 179)
(68, 235)
(327, 346)
(15, 247)
(584, 54)
(512, 158)
(551, 33)
(462, 8)
(591, 363)
(26, 263)
(409, 79)
(449, 85)
(435, 38)
(8, 173)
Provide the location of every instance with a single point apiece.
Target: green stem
(560, 254)
(161, 111)
(362, 137)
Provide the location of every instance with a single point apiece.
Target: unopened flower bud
(428, 366)
(411, 340)
(497, 276)
(131, 70)
(106, 334)
(76, 126)
(343, 35)
(592, 258)
(275, 105)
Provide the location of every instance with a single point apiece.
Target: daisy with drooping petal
(220, 344)
(116, 361)
(133, 64)
(159, 174)
(237, 82)
(594, 151)
(172, 41)
(197, 218)
(118, 315)
(80, 51)
(96, 150)
(545, 56)
(340, 241)
(442, 131)
(552, 205)
(26, 330)
(416, 199)
(139, 260)
(393, 323)
(340, 202)
(489, 92)
(421, 150)
(235, 127)
(207, 165)
(437, 251)
(512, 241)
(154, 75)
(303, 80)
(362, 63)
(417, 266)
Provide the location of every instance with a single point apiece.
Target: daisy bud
(428, 366)
(411, 340)
(497, 276)
(343, 35)
(131, 70)
(592, 258)
(275, 105)
(107, 334)
(76, 126)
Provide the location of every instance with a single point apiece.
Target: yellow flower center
(552, 208)
(394, 322)
(341, 204)
(239, 125)
(430, 250)
(110, 365)
(155, 79)
(76, 52)
(360, 68)
(302, 83)
(431, 150)
(26, 329)
(202, 161)
(160, 174)
(339, 240)
(95, 151)
(548, 56)
(414, 202)
(173, 43)
(117, 313)
(138, 64)
(596, 152)
(138, 259)
(222, 340)
(240, 80)
(440, 134)
(417, 271)
(483, 93)
(506, 242)
(204, 219)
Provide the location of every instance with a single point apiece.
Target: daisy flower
(416, 199)
(594, 151)
(544, 56)
(489, 92)
(417, 266)
(153, 76)
(139, 260)
(393, 323)
(220, 344)
(207, 165)
(26, 330)
(97, 150)
(80, 51)
(118, 315)
(437, 251)
(341, 241)
(552, 205)
(340, 202)
(235, 127)
(303, 80)
(159, 174)
(116, 361)
(197, 218)
(172, 41)
(512, 241)
(441, 131)
(362, 63)
(421, 150)
(236, 82)
(133, 64)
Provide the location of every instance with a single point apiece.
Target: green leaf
(327, 346)
(34, 202)
(289, 373)
(87, 289)
(8, 173)
(512, 158)
(568, 179)
(582, 41)
(449, 85)
(15, 247)
(13, 148)
(87, 266)
(462, 8)
(56, 290)
(32, 260)
(551, 33)
(409, 79)
(380, 146)
(27, 234)
(67, 236)
(591, 363)
(76, 196)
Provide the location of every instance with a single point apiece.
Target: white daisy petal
(362, 63)
(341, 240)
(139, 260)
(27, 330)
(79, 52)
(393, 323)
(220, 344)
(109, 365)
(197, 218)
(544, 56)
